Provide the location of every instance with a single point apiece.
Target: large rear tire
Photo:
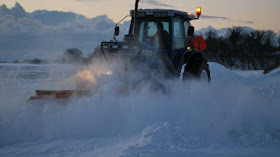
(197, 68)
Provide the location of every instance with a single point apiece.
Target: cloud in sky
(156, 3)
(246, 22)
(48, 33)
(225, 18)
(214, 17)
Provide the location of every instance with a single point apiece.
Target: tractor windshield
(155, 32)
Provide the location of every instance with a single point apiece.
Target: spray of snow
(193, 114)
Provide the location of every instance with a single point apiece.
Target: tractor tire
(158, 86)
(197, 68)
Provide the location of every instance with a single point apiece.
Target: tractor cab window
(179, 39)
(186, 24)
(154, 32)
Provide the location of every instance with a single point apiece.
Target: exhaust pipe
(136, 19)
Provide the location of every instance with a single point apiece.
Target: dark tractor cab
(152, 23)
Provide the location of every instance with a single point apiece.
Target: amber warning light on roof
(198, 11)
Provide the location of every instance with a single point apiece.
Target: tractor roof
(162, 13)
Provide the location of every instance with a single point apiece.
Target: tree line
(240, 49)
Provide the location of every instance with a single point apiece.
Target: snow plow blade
(61, 94)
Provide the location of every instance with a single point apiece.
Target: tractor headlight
(108, 73)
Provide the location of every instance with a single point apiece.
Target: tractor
(163, 39)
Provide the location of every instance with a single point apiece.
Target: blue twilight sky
(260, 14)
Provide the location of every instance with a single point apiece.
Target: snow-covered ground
(236, 115)
(250, 73)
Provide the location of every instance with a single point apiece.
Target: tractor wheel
(158, 86)
(197, 68)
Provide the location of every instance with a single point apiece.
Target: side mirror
(190, 31)
(117, 30)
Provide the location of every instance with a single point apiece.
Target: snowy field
(236, 115)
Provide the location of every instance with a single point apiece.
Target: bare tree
(73, 55)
